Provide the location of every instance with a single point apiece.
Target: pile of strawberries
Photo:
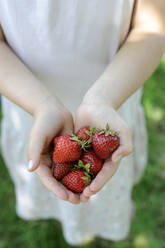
(77, 158)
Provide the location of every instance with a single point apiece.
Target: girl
(65, 59)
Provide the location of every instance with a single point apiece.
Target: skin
(136, 60)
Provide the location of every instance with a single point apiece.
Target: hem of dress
(72, 241)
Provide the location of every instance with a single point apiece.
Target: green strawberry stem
(107, 131)
(81, 165)
(84, 144)
(90, 132)
(86, 179)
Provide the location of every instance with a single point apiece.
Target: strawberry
(85, 133)
(76, 180)
(61, 170)
(89, 157)
(66, 149)
(105, 142)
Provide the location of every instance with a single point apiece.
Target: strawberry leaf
(112, 133)
(93, 130)
(86, 179)
(87, 132)
(75, 138)
(107, 127)
(87, 167)
(90, 133)
(81, 165)
(101, 132)
(85, 145)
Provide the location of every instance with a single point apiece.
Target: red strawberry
(95, 162)
(105, 142)
(61, 170)
(83, 133)
(76, 180)
(66, 149)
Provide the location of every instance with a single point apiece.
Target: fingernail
(30, 165)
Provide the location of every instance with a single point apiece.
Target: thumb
(36, 146)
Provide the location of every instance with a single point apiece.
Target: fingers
(83, 198)
(40, 136)
(125, 147)
(45, 175)
(73, 198)
(36, 145)
(102, 177)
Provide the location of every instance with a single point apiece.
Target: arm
(137, 58)
(18, 83)
(133, 64)
(51, 118)
(20, 86)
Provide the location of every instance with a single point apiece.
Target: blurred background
(148, 226)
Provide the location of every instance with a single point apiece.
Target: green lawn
(148, 227)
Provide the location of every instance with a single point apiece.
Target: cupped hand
(98, 115)
(50, 120)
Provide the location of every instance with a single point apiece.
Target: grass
(148, 227)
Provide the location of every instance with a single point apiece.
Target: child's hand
(52, 119)
(98, 115)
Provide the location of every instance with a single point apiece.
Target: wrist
(47, 103)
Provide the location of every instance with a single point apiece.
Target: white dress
(68, 44)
